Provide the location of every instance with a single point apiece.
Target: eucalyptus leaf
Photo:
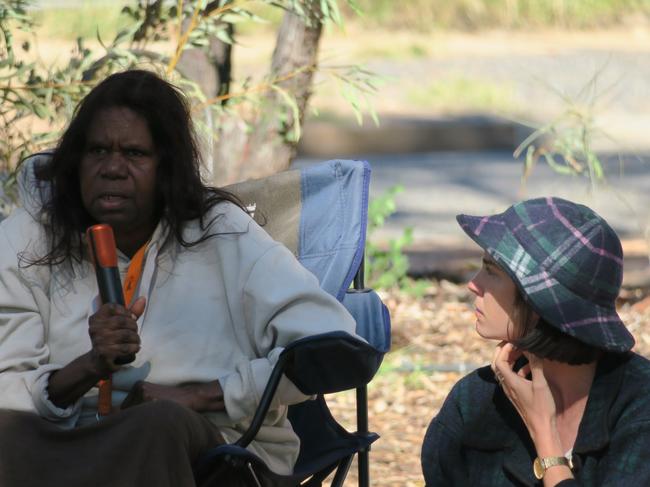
(233, 18)
(559, 168)
(41, 111)
(295, 134)
(223, 36)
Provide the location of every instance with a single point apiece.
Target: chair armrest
(331, 362)
(318, 364)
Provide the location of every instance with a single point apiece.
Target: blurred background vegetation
(427, 15)
(385, 30)
(69, 19)
(430, 58)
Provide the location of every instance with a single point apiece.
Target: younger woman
(565, 402)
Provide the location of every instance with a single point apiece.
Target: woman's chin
(488, 334)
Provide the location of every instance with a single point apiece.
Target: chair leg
(362, 427)
(342, 472)
(364, 471)
(253, 480)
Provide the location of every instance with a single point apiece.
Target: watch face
(538, 470)
(540, 465)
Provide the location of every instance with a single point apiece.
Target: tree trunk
(211, 70)
(258, 145)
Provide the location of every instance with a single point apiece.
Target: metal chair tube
(362, 427)
(265, 404)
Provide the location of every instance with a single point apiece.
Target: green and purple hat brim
(592, 323)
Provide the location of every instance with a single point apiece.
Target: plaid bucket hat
(567, 262)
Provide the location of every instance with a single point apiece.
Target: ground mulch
(434, 344)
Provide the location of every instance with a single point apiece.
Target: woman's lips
(111, 201)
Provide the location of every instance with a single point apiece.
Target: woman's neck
(569, 384)
(130, 242)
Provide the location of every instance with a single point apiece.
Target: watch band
(541, 465)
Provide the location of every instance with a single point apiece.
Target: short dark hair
(181, 194)
(545, 341)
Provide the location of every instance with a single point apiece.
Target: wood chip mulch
(433, 345)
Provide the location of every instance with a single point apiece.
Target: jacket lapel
(500, 428)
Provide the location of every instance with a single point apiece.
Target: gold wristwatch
(541, 465)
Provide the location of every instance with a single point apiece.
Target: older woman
(565, 402)
(216, 300)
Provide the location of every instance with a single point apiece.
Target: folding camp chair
(320, 214)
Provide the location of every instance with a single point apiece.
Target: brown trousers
(153, 444)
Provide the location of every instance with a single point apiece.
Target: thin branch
(255, 89)
(183, 40)
(211, 11)
(194, 22)
(180, 15)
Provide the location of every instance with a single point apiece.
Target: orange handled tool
(101, 244)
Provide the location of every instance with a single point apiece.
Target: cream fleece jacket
(223, 309)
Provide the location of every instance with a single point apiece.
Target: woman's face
(118, 176)
(495, 301)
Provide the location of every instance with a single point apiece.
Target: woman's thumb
(137, 308)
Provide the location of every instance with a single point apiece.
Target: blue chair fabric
(333, 221)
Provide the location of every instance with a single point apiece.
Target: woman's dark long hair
(181, 194)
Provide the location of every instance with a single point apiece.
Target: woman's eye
(97, 151)
(133, 153)
(489, 270)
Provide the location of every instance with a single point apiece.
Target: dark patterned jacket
(478, 438)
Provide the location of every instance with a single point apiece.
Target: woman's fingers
(524, 371)
(113, 331)
(536, 370)
(510, 380)
(531, 397)
(497, 351)
(137, 308)
(504, 358)
(134, 397)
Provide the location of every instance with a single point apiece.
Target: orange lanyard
(133, 275)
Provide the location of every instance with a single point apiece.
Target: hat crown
(566, 260)
(572, 244)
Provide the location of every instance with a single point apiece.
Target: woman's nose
(473, 286)
(115, 165)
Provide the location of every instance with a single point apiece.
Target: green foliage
(357, 85)
(32, 90)
(386, 267)
(29, 90)
(566, 143)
